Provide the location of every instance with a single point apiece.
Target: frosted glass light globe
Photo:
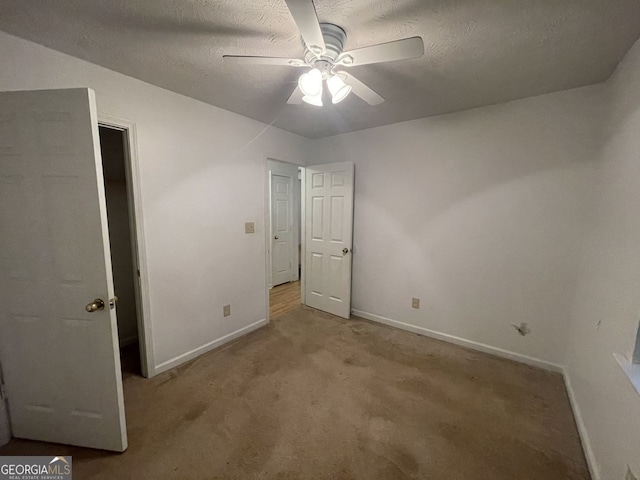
(339, 90)
(311, 82)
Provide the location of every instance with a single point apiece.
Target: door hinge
(3, 392)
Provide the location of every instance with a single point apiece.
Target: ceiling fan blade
(306, 18)
(361, 90)
(296, 97)
(276, 61)
(385, 52)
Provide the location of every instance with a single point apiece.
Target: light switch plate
(249, 227)
(226, 310)
(415, 303)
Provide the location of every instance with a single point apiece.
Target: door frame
(267, 223)
(138, 244)
(303, 233)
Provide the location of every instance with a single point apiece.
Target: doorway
(122, 239)
(323, 224)
(284, 213)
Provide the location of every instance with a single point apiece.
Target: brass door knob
(276, 237)
(98, 304)
(345, 250)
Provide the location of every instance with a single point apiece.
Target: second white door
(282, 241)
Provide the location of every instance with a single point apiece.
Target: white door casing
(61, 363)
(136, 228)
(282, 241)
(328, 237)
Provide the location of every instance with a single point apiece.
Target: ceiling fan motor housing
(334, 39)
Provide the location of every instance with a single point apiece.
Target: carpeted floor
(312, 396)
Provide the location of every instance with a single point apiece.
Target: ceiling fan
(324, 56)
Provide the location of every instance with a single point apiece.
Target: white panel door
(282, 241)
(61, 363)
(328, 237)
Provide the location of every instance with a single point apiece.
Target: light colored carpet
(312, 396)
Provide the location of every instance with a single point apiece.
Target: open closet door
(328, 237)
(58, 334)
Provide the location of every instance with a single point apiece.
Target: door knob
(345, 250)
(276, 237)
(98, 304)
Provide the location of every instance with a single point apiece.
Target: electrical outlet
(226, 310)
(415, 303)
(630, 475)
(249, 227)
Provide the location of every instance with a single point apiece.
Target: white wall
(479, 214)
(607, 301)
(202, 175)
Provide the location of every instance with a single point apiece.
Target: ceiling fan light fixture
(311, 83)
(339, 90)
(315, 100)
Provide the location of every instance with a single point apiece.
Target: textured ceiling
(476, 52)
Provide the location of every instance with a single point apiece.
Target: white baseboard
(582, 429)
(536, 362)
(196, 352)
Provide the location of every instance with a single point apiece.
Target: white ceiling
(477, 52)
